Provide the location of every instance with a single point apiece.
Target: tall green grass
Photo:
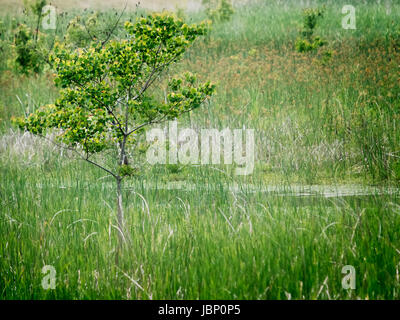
(206, 243)
(316, 122)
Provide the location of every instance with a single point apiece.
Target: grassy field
(327, 119)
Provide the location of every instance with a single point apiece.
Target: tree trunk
(120, 213)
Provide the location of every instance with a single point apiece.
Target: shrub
(29, 42)
(308, 42)
(28, 55)
(310, 19)
(304, 45)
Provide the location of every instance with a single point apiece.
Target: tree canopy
(104, 96)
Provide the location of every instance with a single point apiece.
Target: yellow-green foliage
(29, 52)
(308, 42)
(93, 83)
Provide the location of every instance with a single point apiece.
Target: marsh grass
(200, 243)
(317, 121)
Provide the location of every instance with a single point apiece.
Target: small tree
(310, 19)
(105, 99)
(29, 42)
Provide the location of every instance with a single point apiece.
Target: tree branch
(161, 120)
(104, 105)
(82, 157)
(101, 167)
(115, 26)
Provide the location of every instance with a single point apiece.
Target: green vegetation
(29, 46)
(218, 10)
(328, 116)
(105, 99)
(310, 42)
